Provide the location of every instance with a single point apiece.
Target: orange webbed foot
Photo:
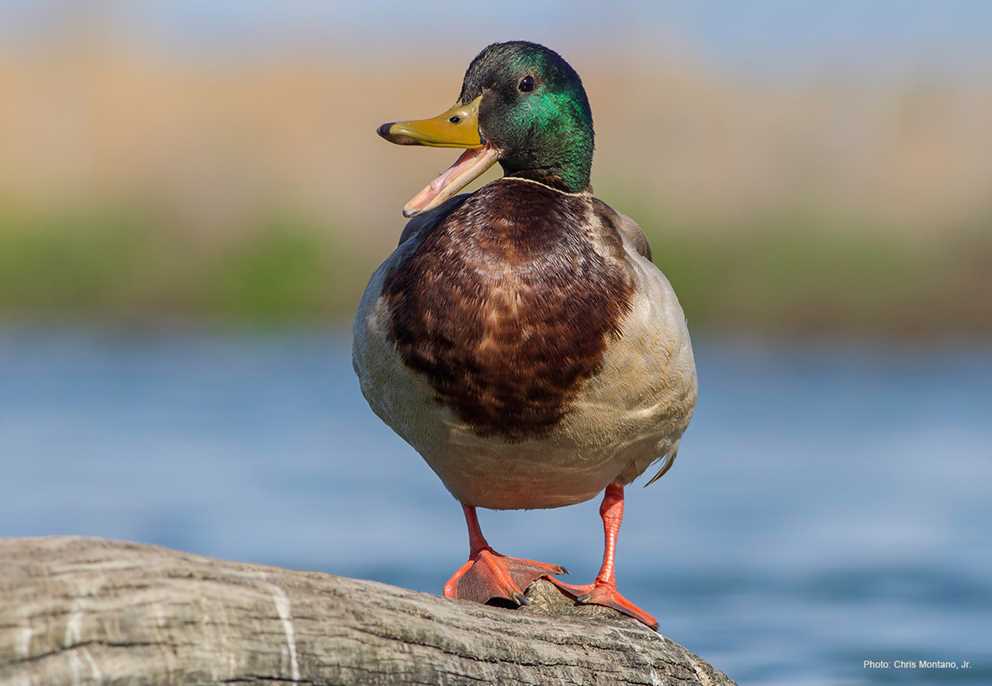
(607, 595)
(488, 575)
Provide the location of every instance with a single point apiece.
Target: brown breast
(507, 304)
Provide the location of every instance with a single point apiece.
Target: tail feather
(668, 461)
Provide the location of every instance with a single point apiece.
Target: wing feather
(633, 233)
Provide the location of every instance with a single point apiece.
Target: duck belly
(622, 419)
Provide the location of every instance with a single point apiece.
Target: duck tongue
(468, 167)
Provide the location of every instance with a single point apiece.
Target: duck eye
(526, 84)
(454, 119)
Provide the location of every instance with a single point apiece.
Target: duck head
(521, 105)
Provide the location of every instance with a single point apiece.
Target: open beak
(457, 127)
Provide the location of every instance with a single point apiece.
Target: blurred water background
(192, 197)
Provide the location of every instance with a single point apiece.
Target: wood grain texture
(92, 611)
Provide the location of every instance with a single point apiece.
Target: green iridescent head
(521, 105)
(534, 111)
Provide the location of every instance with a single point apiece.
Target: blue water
(830, 503)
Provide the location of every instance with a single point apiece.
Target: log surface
(93, 611)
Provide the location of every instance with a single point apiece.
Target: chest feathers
(507, 304)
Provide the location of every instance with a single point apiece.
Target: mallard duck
(520, 337)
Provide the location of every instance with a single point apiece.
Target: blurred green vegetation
(790, 271)
(128, 265)
(137, 186)
(801, 271)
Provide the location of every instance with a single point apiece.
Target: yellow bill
(457, 127)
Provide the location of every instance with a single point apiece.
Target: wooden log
(92, 611)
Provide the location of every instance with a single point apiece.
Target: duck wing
(420, 225)
(630, 230)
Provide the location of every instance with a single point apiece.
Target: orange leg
(488, 574)
(603, 591)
